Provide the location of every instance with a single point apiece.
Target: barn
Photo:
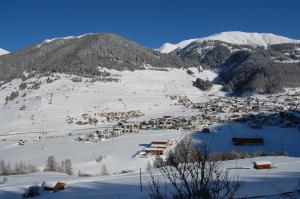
(163, 144)
(157, 147)
(262, 165)
(154, 151)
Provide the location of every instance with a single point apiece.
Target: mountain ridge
(271, 68)
(233, 37)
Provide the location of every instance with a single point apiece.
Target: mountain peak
(234, 37)
(3, 52)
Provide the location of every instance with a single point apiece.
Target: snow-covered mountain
(3, 52)
(233, 37)
(83, 55)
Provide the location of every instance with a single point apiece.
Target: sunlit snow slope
(234, 37)
(47, 108)
(3, 52)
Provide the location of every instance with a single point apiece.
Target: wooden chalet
(157, 147)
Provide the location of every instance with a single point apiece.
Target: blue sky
(149, 22)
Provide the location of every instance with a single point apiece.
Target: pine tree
(104, 170)
(62, 167)
(51, 164)
(2, 167)
(68, 167)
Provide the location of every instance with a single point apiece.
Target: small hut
(154, 151)
(54, 186)
(262, 165)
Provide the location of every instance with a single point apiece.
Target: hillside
(44, 104)
(254, 62)
(82, 55)
(241, 67)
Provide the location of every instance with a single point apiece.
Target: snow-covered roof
(153, 149)
(49, 184)
(262, 162)
(159, 145)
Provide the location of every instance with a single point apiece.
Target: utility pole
(141, 180)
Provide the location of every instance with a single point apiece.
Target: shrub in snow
(189, 72)
(12, 96)
(32, 191)
(23, 85)
(49, 80)
(203, 84)
(36, 85)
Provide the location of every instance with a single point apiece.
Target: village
(274, 110)
(103, 117)
(281, 109)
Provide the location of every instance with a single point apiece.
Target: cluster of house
(256, 110)
(118, 116)
(181, 100)
(170, 122)
(103, 117)
(156, 148)
(85, 119)
(281, 119)
(122, 128)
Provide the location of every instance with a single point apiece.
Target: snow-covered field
(283, 178)
(118, 153)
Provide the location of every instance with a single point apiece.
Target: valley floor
(39, 117)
